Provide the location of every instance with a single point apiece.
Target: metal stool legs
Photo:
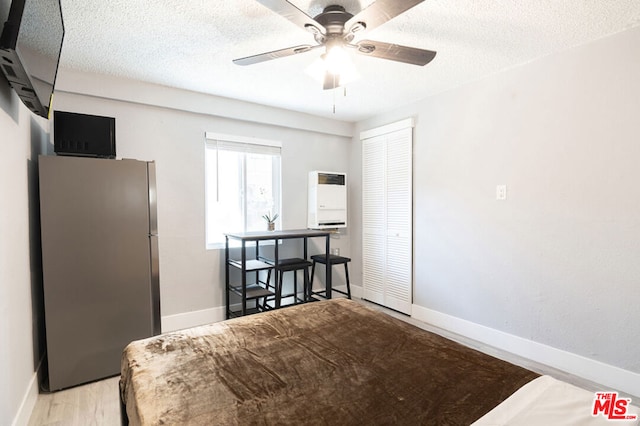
(333, 260)
(293, 265)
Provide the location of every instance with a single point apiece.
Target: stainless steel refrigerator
(100, 263)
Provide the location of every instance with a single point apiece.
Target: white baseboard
(206, 316)
(596, 371)
(28, 401)
(356, 291)
(192, 319)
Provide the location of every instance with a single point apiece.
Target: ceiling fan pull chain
(334, 97)
(335, 88)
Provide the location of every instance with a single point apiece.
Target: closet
(387, 215)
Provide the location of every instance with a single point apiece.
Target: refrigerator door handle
(155, 285)
(153, 198)
(153, 249)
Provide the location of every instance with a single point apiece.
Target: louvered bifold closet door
(373, 219)
(398, 190)
(387, 252)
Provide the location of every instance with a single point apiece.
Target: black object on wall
(84, 135)
(30, 46)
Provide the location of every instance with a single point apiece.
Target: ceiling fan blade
(395, 52)
(267, 56)
(377, 14)
(292, 13)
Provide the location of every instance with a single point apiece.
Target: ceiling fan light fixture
(343, 71)
(336, 59)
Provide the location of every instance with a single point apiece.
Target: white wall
(22, 137)
(192, 278)
(557, 262)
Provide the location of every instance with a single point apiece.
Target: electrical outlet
(501, 192)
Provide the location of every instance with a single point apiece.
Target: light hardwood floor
(94, 404)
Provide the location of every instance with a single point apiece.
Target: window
(242, 184)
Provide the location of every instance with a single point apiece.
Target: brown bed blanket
(326, 363)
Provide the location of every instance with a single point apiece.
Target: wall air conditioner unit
(327, 200)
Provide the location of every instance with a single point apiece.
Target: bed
(322, 363)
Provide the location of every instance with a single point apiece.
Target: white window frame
(244, 144)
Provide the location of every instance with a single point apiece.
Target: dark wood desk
(256, 264)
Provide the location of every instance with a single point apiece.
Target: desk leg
(276, 274)
(328, 269)
(226, 274)
(305, 252)
(244, 278)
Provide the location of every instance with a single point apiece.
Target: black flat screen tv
(30, 47)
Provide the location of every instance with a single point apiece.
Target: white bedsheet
(547, 401)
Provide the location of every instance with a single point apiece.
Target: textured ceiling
(190, 45)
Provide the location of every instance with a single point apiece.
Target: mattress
(330, 362)
(548, 401)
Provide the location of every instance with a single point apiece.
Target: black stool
(333, 260)
(292, 265)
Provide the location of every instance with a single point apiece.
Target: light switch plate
(501, 192)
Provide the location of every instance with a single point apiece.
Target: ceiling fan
(335, 29)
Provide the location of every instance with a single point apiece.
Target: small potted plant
(271, 221)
